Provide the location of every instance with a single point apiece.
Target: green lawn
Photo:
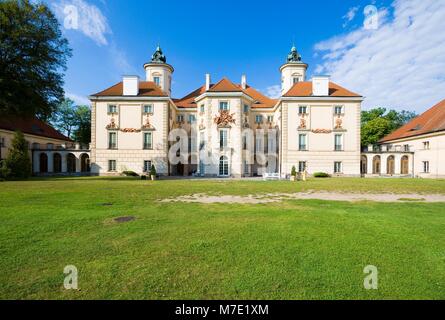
(296, 249)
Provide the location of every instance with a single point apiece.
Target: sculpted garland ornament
(224, 118)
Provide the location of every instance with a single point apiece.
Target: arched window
(43, 159)
(376, 165)
(57, 162)
(364, 165)
(223, 166)
(71, 163)
(390, 165)
(84, 163)
(404, 165)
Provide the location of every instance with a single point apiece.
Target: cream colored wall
(130, 154)
(43, 141)
(164, 74)
(435, 154)
(321, 153)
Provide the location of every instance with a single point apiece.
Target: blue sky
(229, 38)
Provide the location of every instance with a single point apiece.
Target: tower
(293, 71)
(159, 71)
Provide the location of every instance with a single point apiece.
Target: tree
(82, 118)
(378, 122)
(33, 54)
(64, 118)
(17, 164)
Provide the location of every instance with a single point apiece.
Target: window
(202, 108)
(302, 145)
(406, 147)
(112, 140)
(426, 145)
(426, 166)
(338, 142)
(244, 142)
(302, 110)
(157, 80)
(180, 118)
(111, 165)
(2, 143)
(246, 108)
(192, 118)
(259, 119)
(269, 119)
(148, 140)
(338, 110)
(296, 80)
(147, 165)
(338, 167)
(223, 166)
(148, 108)
(223, 105)
(112, 108)
(302, 166)
(246, 167)
(222, 138)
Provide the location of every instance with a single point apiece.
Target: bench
(271, 176)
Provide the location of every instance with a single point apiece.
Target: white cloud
(78, 99)
(350, 15)
(273, 91)
(87, 18)
(399, 65)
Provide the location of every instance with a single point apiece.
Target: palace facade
(224, 128)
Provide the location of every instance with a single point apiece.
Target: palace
(228, 129)
(231, 129)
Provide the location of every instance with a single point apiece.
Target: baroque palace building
(225, 128)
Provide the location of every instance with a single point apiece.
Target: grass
(296, 249)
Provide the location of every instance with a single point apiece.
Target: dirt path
(331, 196)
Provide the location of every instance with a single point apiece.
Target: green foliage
(153, 170)
(130, 173)
(293, 172)
(82, 133)
(321, 175)
(33, 54)
(378, 122)
(73, 120)
(18, 162)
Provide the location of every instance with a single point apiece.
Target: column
(50, 161)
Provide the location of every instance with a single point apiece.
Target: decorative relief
(338, 123)
(321, 131)
(112, 125)
(147, 125)
(201, 125)
(246, 122)
(130, 130)
(224, 118)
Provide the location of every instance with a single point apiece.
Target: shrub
(130, 173)
(293, 171)
(153, 170)
(18, 163)
(321, 175)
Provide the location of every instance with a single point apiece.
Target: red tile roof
(433, 120)
(225, 85)
(304, 89)
(146, 89)
(31, 126)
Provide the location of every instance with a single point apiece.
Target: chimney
(243, 81)
(207, 81)
(131, 85)
(320, 86)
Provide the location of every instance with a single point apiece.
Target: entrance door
(404, 165)
(223, 166)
